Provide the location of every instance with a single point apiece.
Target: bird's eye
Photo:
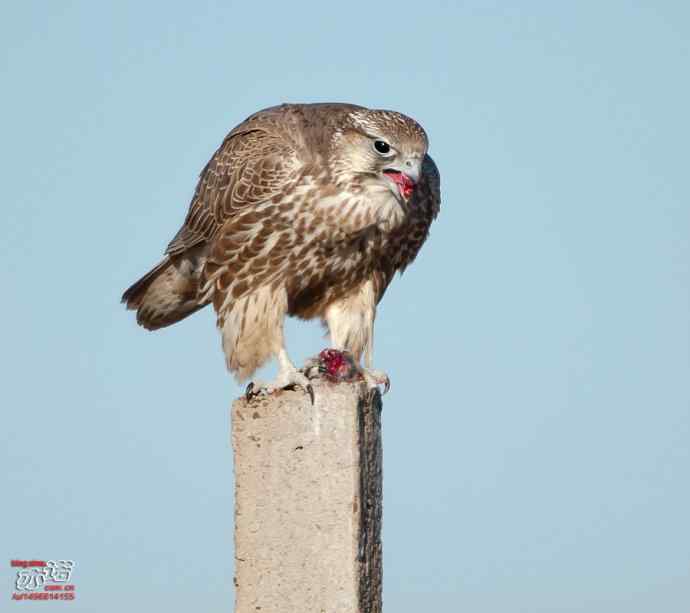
(382, 147)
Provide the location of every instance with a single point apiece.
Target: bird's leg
(351, 325)
(288, 376)
(373, 377)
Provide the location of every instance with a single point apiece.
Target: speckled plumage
(293, 216)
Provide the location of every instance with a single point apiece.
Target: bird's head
(385, 146)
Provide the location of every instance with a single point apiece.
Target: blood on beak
(405, 183)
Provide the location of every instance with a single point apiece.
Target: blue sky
(536, 435)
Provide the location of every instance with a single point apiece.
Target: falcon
(305, 210)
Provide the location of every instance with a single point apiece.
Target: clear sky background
(537, 433)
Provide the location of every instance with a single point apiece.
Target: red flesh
(404, 183)
(336, 363)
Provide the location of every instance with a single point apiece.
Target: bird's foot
(374, 378)
(287, 379)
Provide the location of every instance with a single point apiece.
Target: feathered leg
(372, 376)
(350, 322)
(252, 330)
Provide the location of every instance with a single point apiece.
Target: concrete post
(308, 501)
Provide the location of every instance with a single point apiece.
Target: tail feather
(135, 292)
(167, 293)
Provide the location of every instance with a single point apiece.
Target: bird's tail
(166, 294)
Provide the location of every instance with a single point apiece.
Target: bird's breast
(352, 210)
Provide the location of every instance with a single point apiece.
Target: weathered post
(308, 491)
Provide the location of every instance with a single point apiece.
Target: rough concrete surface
(308, 501)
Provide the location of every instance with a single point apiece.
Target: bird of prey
(305, 210)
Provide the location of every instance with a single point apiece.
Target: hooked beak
(405, 178)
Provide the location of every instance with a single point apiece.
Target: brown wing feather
(250, 167)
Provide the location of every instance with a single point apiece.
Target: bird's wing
(251, 166)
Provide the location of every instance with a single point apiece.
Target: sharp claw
(310, 391)
(249, 392)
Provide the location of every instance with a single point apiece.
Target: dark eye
(382, 147)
